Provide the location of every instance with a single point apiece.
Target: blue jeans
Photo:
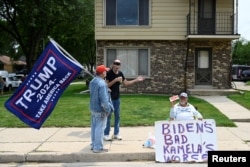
(98, 124)
(116, 104)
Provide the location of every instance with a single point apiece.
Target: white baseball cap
(183, 94)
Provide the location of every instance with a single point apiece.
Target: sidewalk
(232, 138)
(72, 144)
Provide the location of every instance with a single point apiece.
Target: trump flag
(36, 98)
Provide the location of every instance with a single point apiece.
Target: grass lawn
(242, 98)
(72, 110)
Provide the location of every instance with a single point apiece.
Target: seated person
(183, 110)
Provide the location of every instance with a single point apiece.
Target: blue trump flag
(36, 98)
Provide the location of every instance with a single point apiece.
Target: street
(105, 164)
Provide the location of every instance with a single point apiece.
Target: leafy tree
(7, 45)
(241, 52)
(29, 23)
(77, 35)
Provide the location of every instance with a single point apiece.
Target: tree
(7, 45)
(29, 23)
(77, 35)
(241, 52)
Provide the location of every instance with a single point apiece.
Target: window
(134, 62)
(203, 59)
(127, 12)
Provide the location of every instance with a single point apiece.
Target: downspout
(185, 69)
(236, 18)
(187, 51)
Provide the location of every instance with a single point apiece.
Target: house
(6, 63)
(175, 44)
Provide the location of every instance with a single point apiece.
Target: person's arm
(197, 114)
(172, 113)
(104, 98)
(173, 100)
(131, 82)
(110, 83)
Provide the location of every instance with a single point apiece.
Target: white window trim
(117, 48)
(128, 26)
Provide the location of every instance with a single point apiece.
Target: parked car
(23, 71)
(245, 75)
(19, 77)
(11, 82)
(4, 73)
(237, 70)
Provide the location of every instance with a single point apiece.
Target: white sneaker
(117, 137)
(107, 138)
(101, 151)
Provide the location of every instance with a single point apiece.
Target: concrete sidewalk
(73, 144)
(70, 145)
(229, 138)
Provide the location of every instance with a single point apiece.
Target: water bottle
(149, 143)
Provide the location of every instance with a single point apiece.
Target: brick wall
(167, 64)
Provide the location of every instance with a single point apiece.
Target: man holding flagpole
(100, 107)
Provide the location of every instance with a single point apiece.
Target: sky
(244, 19)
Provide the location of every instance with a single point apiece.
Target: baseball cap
(101, 68)
(183, 94)
(117, 62)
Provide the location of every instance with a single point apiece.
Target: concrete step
(212, 92)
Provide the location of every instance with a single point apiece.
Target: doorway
(206, 17)
(203, 66)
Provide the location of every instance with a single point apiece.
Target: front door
(206, 17)
(203, 66)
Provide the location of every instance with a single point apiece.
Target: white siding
(224, 6)
(167, 22)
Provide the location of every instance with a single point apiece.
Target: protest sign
(185, 141)
(35, 99)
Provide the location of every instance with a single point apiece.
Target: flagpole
(86, 71)
(53, 41)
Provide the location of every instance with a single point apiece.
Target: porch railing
(222, 24)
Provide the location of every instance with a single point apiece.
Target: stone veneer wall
(221, 61)
(167, 60)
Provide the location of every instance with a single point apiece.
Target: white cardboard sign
(184, 141)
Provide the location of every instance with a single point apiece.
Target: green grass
(241, 98)
(72, 110)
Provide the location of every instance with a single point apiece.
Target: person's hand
(140, 78)
(173, 99)
(119, 79)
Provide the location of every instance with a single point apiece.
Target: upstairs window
(127, 12)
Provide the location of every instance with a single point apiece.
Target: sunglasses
(117, 63)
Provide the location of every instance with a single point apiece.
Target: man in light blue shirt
(100, 107)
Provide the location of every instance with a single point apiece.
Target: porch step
(212, 92)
